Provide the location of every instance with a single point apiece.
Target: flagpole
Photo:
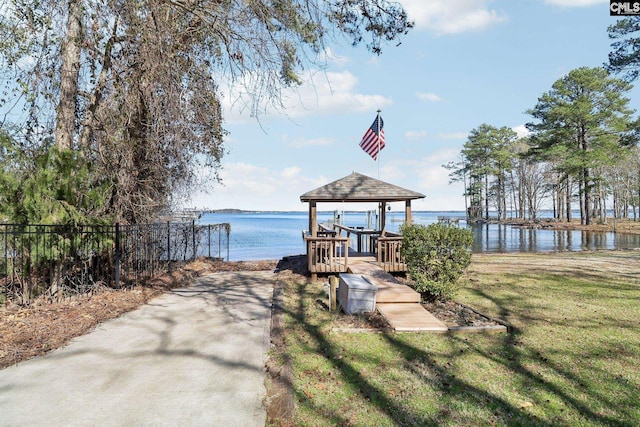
(378, 156)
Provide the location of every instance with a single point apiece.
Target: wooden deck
(389, 289)
(404, 317)
(398, 303)
(330, 252)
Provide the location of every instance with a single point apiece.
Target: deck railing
(326, 254)
(389, 256)
(329, 253)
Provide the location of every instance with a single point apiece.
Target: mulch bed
(456, 315)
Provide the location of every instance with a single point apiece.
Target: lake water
(265, 235)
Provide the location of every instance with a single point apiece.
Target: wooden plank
(398, 303)
(410, 318)
(390, 290)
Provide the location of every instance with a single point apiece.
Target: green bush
(436, 256)
(46, 185)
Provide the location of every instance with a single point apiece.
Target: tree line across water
(582, 147)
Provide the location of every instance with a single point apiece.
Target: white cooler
(356, 294)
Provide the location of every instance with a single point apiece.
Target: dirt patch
(26, 332)
(456, 315)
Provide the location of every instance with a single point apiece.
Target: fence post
(169, 245)
(118, 256)
(228, 228)
(193, 238)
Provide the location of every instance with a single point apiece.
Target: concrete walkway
(192, 357)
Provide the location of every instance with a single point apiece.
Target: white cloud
(302, 142)
(392, 173)
(452, 135)
(452, 17)
(415, 135)
(574, 3)
(328, 55)
(291, 172)
(250, 187)
(521, 130)
(322, 93)
(430, 97)
(431, 179)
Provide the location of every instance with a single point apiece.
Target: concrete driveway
(194, 356)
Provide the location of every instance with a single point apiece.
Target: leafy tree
(487, 159)
(436, 256)
(583, 122)
(528, 180)
(477, 152)
(46, 184)
(501, 159)
(134, 86)
(625, 57)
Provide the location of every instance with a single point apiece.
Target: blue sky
(467, 62)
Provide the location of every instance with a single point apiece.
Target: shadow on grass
(393, 408)
(450, 390)
(520, 357)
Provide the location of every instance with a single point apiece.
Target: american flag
(372, 142)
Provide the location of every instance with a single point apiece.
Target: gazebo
(328, 250)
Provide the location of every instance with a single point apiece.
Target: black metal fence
(57, 260)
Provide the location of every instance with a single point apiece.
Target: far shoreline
(613, 225)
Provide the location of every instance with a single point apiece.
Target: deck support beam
(313, 219)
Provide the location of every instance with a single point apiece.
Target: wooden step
(405, 317)
(389, 289)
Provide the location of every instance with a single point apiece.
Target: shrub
(436, 256)
(45, 185)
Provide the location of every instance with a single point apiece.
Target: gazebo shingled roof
(360, 188)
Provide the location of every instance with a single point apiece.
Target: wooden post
(313, 231)
(333, 285)
(407, 212)
(118, 255)
(313, 219)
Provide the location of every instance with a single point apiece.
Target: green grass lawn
(572, 358)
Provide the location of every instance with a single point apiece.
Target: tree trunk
(583, 208)
(568, 199)
(554, 199)
(499, 198)
(486, 196)
(634, 211)
(467, 196)
(587, 196)
(70, 70)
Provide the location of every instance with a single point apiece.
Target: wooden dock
(389, 289)
(398, 303)
(405, 317)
